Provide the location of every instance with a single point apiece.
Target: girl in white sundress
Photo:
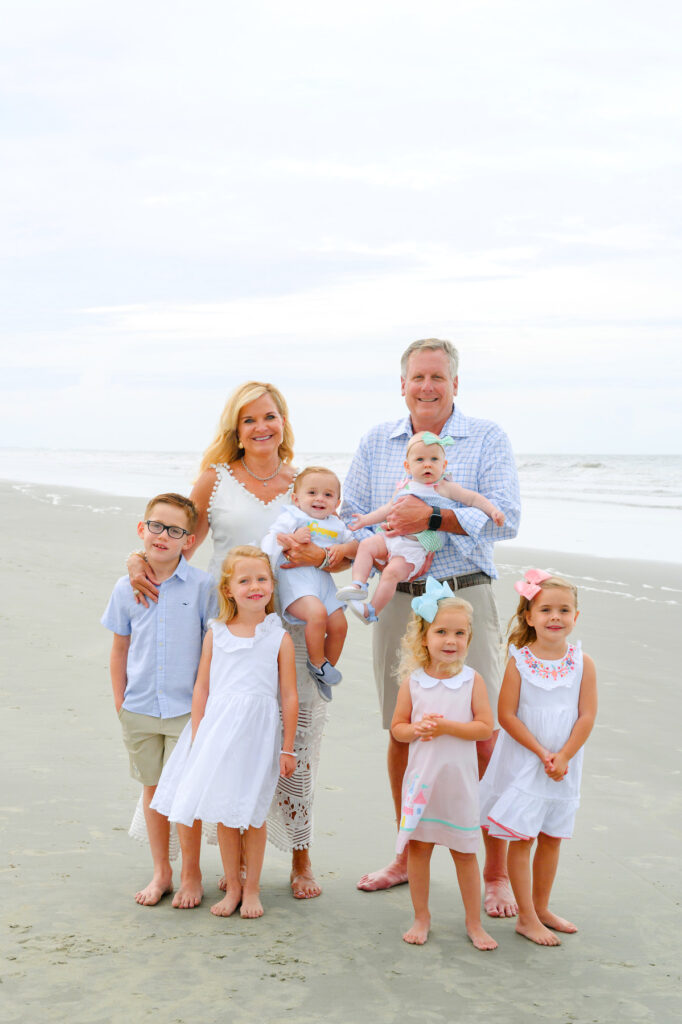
(441, 711)
(547, 707)
(227, 761)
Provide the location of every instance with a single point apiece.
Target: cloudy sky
(197, 193)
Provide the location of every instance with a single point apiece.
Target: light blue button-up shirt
(481, 459)
(165, 640)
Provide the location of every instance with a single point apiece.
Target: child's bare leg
(222, 884)
(229, 843)
(158, 831)
(397, 570)
(469, 879)
(191, 891)
(314, 614)
(545, 863)
(255, 852)
(368, 549)
(419, 876)
(337, 627)
(528, 924)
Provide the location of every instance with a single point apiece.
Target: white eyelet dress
(518, 800)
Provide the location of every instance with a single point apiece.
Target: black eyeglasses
(176, 532)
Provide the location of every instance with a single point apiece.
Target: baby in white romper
(308, 594)
(425, 463)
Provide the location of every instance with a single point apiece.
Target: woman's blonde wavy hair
(227, 606)
(413, 651)
(519, 632)
(225, 446)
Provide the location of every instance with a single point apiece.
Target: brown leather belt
(471, 579)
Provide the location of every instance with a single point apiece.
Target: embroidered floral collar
(560, 672)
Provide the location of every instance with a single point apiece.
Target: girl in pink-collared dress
(547, 707)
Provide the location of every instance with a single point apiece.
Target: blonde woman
(244, 482)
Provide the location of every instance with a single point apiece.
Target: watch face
(436, 519)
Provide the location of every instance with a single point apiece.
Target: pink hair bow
(529, 586)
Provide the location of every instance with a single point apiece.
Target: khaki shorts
(149, 742)
(484, 653)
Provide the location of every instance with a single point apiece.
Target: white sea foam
(620, 506)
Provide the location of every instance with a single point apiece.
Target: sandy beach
(78, 948)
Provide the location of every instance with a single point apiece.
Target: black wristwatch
(436, 520)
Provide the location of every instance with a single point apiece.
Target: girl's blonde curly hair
(413, 650)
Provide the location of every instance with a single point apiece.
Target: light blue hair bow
(429, 438)
(427, 605)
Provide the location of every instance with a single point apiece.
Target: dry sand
(78, 948)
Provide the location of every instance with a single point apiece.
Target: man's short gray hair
(432, 345)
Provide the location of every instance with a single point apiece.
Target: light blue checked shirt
(165, 640)
(481, 459)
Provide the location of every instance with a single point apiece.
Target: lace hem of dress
(290, 819)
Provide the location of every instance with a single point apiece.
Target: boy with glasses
(154, 660)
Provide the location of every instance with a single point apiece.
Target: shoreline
(79, 948)
(104, 501)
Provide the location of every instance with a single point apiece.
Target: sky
(195, 194)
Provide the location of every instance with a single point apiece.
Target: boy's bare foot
(394, 873)
(419, 932)
(559, 924)
(480, 937)
(536, 932)
(228, 904)
(251, 906)
(304, 885)
(189, 895)
(155, 891)
(499, 899)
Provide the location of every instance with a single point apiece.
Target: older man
(481, 459)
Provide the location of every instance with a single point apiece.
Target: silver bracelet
(291, 753)
(325, 561)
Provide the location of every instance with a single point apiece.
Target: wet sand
(78, 948)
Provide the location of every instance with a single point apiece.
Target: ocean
(619, 506)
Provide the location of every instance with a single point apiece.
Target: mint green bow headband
(429, 438)
(426, 606)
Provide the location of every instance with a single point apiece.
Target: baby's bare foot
(222, 884)
(189, 895)
(559, 924)
(394, 873)
(536, 932)
(155, 891)
(419, 932)
(480, 937)
(251, 906)
(228, 904)
(499, 899)
(304, 885)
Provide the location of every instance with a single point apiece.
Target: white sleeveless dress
(238, 517)
(518, 800)
(230, 772)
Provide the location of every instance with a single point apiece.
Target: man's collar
(455, 426)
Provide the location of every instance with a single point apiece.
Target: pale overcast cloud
(196, 194)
